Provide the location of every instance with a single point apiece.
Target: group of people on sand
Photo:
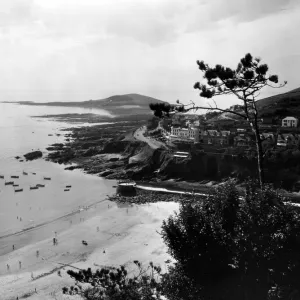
(8, 266)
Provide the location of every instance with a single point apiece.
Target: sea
(24, 215)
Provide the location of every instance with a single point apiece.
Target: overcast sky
(75, 50)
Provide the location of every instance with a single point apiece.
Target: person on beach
(20, 219)
(8, 267)
(37, 253)
(13, 247)
(20, 264)
(54, 241)
(97, 228)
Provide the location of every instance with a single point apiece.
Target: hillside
(281, 104)
(129, 104)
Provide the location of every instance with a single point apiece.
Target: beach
(29, 220)
(126, 233)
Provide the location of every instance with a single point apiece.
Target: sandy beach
(126, 233)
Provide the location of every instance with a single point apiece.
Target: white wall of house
(185, 133)
(289, 122)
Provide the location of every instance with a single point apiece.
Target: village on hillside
(223, 133)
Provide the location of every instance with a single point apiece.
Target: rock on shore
(33, 155)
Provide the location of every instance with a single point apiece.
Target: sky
(77, 50)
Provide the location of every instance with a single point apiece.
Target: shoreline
(122, 228)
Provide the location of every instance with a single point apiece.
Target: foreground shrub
(227, 247)
(115, 284)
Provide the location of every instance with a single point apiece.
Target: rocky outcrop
(33, 155)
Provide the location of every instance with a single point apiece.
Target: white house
(191, 134)
(289, 122)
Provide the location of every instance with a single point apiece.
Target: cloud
(82, 49)
(247, 11)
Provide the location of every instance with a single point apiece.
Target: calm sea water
(19, 134)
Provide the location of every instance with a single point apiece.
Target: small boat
(40, 185)
(126, 188)
(68, 186)
(9, 183)
(14, 176)
(47, 178)
(2, 176)
(33, 187)
(50, 134)
(15, 185)
(66, 190)
(34, 173)
(25, 173)
(18, 190)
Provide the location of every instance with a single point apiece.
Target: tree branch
(213, 108)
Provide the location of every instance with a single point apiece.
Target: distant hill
(129, 104)
(278, 106)
(281, 104)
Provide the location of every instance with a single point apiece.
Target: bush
(115, 284)
(229, 247)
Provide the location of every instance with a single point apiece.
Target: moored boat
(18, 190)
(2, 176)
(47, 178)
(66, 190)
(15, 185)
(9, 183)
(68, 186)
(40, 185)
(33, 187)
(25, 173)
(14, 176)
(126, 188)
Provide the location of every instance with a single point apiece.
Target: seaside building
(215, 137)
(288, 140)
(184, 134)
(290, 122)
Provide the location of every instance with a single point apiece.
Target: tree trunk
(260, 158)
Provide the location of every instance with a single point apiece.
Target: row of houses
(239, 137)
(208, 137)
(185, 120)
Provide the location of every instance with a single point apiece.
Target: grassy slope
(279, 105)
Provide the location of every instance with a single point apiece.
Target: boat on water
(126, 187)
(68, 186)
(47, 178)
(15, 185)
(14, 176)
(66, 190)
(33, 187)
(18, 190)
(9, 183)
(25, 173)
(2, 176)
(40, 185)
(34, 173)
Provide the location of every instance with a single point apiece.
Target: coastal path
(153, 143)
